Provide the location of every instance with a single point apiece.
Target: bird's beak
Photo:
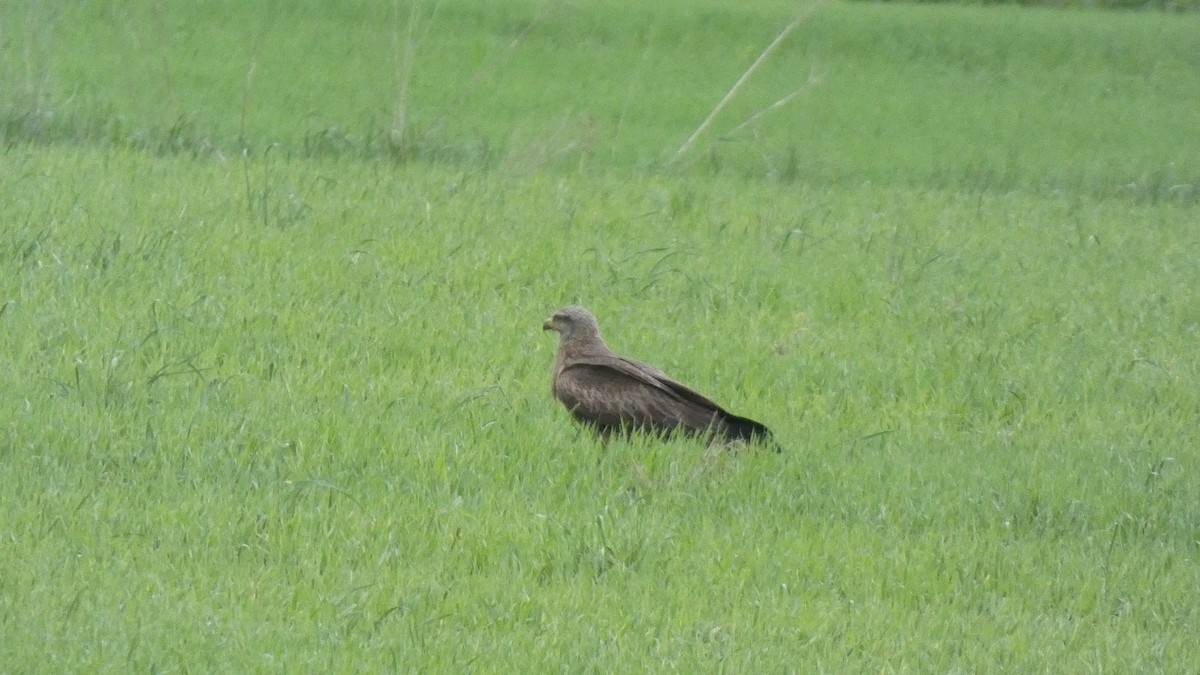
(548, 324)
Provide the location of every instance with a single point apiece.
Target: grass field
(275, 395)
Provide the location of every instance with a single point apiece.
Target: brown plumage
(612, 394)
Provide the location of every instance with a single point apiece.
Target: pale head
(573, 323)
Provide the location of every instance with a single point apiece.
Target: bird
(614, 395)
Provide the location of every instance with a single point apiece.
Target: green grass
(289, 410)
(991, 98)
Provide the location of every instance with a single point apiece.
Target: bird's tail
(737, 428)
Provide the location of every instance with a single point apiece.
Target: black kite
(609, 393)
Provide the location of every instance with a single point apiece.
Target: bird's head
(573, 322)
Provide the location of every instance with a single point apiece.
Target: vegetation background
(274, 394)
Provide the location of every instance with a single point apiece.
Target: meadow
(275, 393)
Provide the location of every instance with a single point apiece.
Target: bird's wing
(725, 424)
(611, 391)
(651, 375)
